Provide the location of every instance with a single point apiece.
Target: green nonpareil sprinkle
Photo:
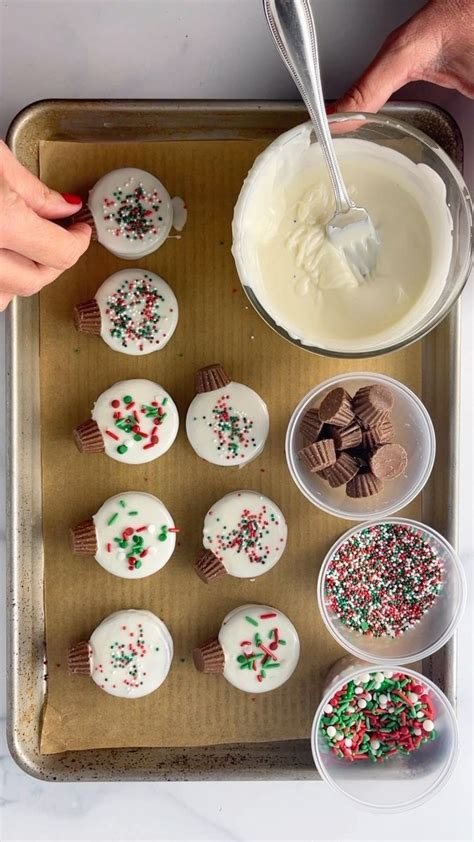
(132, 513)
(251, 620)
(112, 519)
(122, 503)
(271, 665)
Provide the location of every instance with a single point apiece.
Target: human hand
(34, 250)
(435, 45)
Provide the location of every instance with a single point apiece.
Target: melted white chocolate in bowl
(302, 281)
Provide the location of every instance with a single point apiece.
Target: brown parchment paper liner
(216, 323)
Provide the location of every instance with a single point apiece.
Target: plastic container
(430, 633)
(419, 148)
(413, 429)
(401, 782)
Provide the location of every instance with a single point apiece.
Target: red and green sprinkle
(232, 429)
(249, 536)
(258, 655)
(128, 419)
(132, 215)
(377, 716)
(383, 579)
(136, 310)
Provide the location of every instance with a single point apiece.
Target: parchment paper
(216, 325)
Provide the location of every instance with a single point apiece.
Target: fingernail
(72, 199)
(330, 109)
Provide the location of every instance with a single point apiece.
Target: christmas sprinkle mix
(132, 214)
(260, 654)
(383, 579)
(131, 418)
(136, 311)
(250, 537)
(126, 657)
(134, 539)
(377, 716)
(232, 429)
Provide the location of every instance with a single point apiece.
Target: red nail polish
(72, 199)
(330, 109)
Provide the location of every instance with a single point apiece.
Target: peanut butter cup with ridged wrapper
(319, 455)
(373, 404)
(336, 408)
(83, 538)
(87, 318)
(345, 438)
(208, 566)
(364, 484)
(79, 659)
(389, 461)
(311, 425)
(344, 468)
(210, 378)
(88, 437)
(381, 433)
(209, 657)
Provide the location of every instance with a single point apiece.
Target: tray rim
(26, 312)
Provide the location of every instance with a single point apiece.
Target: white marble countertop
(219, 49)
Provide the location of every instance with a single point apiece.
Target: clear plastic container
(419, 148)
(430, 633)
(413, 429)
(401, 782)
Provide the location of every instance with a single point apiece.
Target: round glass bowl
(412, 428)
(400, 782)
(434, 628)
(419, 148)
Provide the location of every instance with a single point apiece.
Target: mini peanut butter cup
(345, 467)
(208, 566)
(84, 215)
(364, 484)
(373, 404)
(311, 425)
(79, 659)
(209, 657)
(210, 378)
(382, 433)
(319, 455)
(88, 437)
(346, 437)
(87, 318)
(83, 538)
(336, 408)
(389, 461)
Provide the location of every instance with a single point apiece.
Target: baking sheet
(216, 324)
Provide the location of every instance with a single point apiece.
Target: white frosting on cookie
(131, 653)
(139, 311)
(247, 532)
(135, 535)
(228, 426)
(261, 648)
(132, 212)
(138, 421)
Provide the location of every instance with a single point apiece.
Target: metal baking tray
(112, 120)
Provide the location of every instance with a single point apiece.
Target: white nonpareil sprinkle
(328, 708)
(374, 744)
(121, 555)
(379, 677)
(382, 700)
(428, 725)
(339, 736)
(151, 528)
(413, 697)
(388, 674)
(417, 732)
(350, 709)
(358, 691)
(348, 742)
(364, 678)
(420, 714)
(331, 731)
(362, 703)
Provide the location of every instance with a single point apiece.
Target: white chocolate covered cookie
(134, 311)
(134, 421)
(257, 649)
(132, 535)
(227, 423)
(132, 212)
(244, 535)
(128, 655)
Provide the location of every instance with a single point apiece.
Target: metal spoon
(350, 229)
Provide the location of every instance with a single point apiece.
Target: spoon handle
(292, 26)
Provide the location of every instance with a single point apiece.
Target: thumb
(45, 202)
(392, 67)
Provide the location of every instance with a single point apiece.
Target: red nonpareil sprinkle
(130, 405)
(115, 404)
(267, 652)
(143, 553)
(109, 548)
(141, 529)
(112, 435)
(174, 529)
(246, 643)
(127, 532)
(268, 616)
